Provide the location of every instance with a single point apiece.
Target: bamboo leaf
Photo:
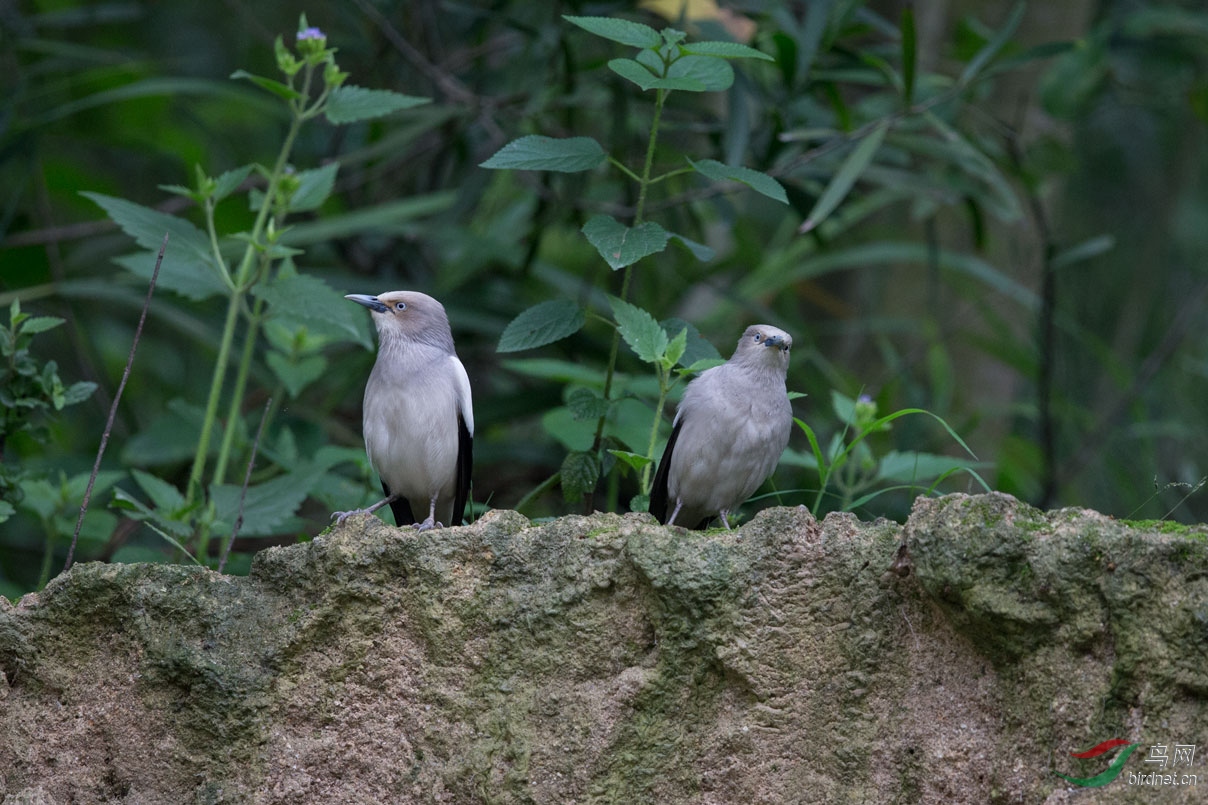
(845, 177)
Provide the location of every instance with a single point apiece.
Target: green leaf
(699, 250)
(542, 324)
(634, 34)
(725, 50)
(230, 181)
(620, 245)
(757, 181)
(268, 507)
(1086, 250)
(675, 349)
(640, 331)
(39, 324)
(909, 54)
(348, 104)
(303, 299)
(580, 471)
(696, 347)
(713, 74)
(586, 404)
(639, 74)
(992, 47)
(534, 152)
(634, 460)
(78, 392)
(296, 373)
(845, 177)
(163, 495)
(188, 267)
(314, 186)
(275, 87)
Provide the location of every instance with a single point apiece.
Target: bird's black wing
(400, 506)
(465, 465)
(658, 492)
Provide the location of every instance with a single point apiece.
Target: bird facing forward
(728, 433)
(418, 417)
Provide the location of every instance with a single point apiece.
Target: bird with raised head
(418, 418)
(731, 427)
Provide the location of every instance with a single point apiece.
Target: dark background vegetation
(1032, 271)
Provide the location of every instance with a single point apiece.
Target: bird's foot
(340, 517)
(428, 525)
(724, 519)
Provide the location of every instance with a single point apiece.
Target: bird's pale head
(764, 345)
(407, 315)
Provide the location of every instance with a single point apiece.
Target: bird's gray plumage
(418, 418)
(728, 434)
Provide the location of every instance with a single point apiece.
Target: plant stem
(643, 185)
(242, 277)
(664, 387)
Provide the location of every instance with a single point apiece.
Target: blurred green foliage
(997, 216)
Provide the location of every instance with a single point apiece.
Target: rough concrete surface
(609, 659)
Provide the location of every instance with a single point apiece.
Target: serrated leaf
(314, 186)
(637, 73)
(725, 50)
(300, 298)
(586, 404)
(230, 181)
(188, 266)
(757, 181)
(348, 104)
(620, 245)
(713, 74)
(542, 324)
(640, 331)
(634, 34)
(190, 276)
(580, 471)
(296, 373)
(269, 506)
(843, 180)
(275, 87)
(535, 152)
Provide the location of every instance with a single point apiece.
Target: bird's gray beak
(368, 301)
(774, 341)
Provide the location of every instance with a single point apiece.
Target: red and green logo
(1111, 772)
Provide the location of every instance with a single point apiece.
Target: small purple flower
(864, 398)
(310, 33)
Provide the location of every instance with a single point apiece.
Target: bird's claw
(428, 525)
(340, 517)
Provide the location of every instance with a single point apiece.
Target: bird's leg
(340, 517)
(724, 520)
(431, 522)
(679, 504)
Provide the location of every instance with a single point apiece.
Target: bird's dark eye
(758, 337)
(400, 306)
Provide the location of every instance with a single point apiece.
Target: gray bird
(418, 418)
(728, 433)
